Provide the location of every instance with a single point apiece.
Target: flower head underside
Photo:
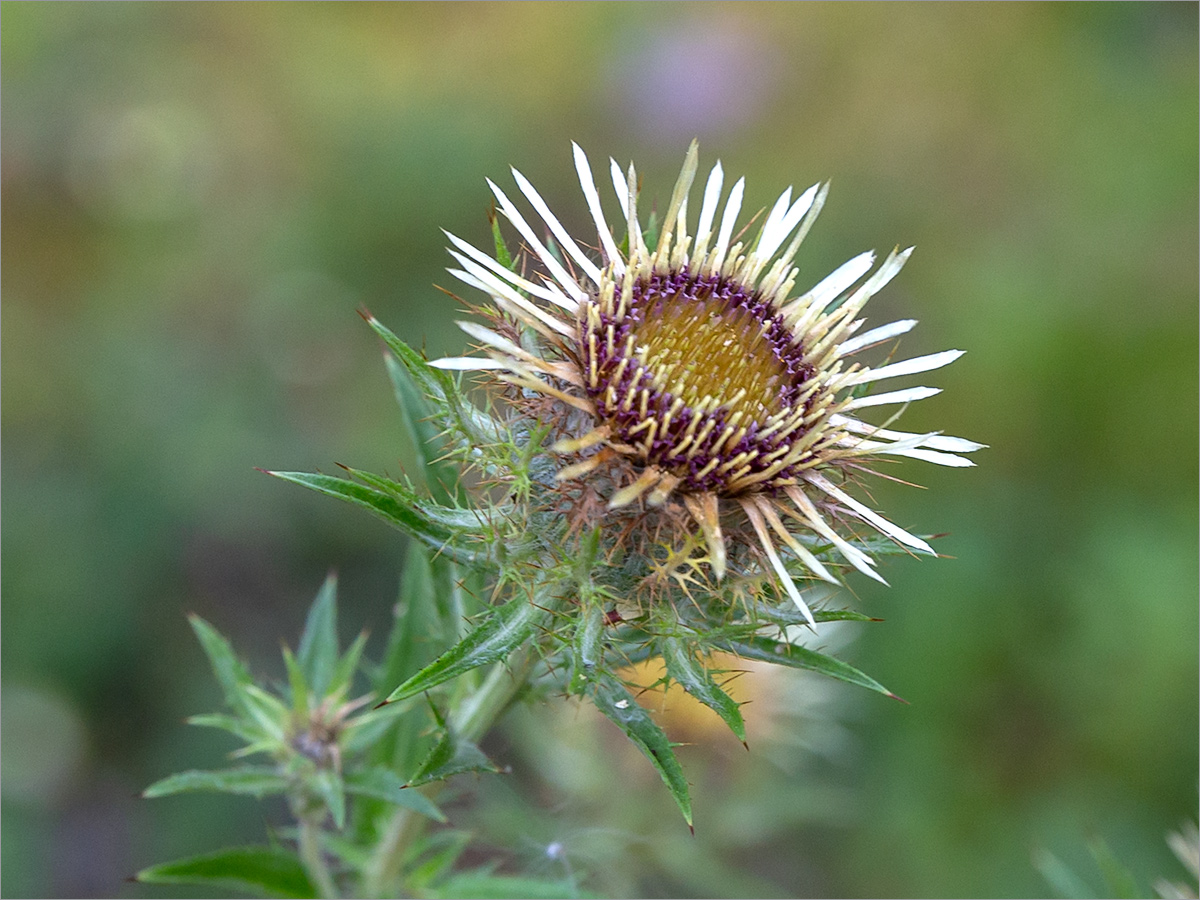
(699, 373)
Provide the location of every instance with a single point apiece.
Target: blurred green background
(196, 198)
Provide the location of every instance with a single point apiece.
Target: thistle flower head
(687, 371)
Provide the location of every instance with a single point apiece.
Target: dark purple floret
(650, 298)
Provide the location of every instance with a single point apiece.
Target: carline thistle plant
(663, 465)
(668, 451)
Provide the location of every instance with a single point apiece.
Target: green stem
(313, 859)
(477, 713)
(383, 868)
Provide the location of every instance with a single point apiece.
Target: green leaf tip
(423, 430)
(231, 673)
(796, 657)
(452, 755)
(502, 254)
(318, 651)
(685, 668)
(396, 505)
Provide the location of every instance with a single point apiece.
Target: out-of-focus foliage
(196, 198)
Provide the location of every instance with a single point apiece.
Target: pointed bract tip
(718, 567)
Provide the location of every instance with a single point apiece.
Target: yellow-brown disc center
(711, 355)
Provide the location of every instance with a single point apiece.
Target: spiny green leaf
(472, 423)
(876, 545)
(264, 871)
(435, 383)
(318, 650)
(267, 745)
(226, 723)
(233, 677)
(502, 255)
(614, 701)
(255, 781)
(403, 515)
(423, 433)
(452, 755)
(384, 784)
(468, 522)
(787, 614)
(693, 677)
(759, 616)
(465, 519)
(835, 615)
(784, 654)
(347, 665)
(267, 711)
(297, 683)
(503, 629)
